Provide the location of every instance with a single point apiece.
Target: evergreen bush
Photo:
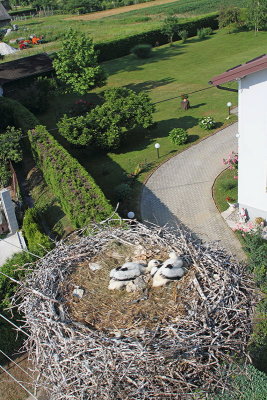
(178, 136)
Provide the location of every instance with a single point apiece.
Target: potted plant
(230, 201)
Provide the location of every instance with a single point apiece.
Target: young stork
(124, 274)
(170, 270)
(129, 272)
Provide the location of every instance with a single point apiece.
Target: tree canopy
(108, 124)
(76, 64)
(257, 15)
(170, 27)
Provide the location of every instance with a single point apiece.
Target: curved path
(180, 191)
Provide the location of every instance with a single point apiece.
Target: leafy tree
(257, 15)
(9, 145)
(170, 27)
(106, 125)
(228, 16)
(74, 129)
(76, 64)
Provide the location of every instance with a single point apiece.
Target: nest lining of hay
(118, 345)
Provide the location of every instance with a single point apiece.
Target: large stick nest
(163, 343)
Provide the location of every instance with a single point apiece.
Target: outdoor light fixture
(229, 105)
(130, 214)
(237, 135)
(157, 146)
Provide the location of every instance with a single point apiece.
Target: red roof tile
(255, 65)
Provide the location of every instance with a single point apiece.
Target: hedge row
(80, 198)
(15, 114)
(122, 47)
(37, 242)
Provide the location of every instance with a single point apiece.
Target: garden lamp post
(130, 215)
(157, 146)
(229, 105)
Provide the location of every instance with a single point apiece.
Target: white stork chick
(174, 260)
(117, 285)
(171, 270)
(124, 274)
(153, 267)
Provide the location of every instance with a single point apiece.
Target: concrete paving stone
(180, 191)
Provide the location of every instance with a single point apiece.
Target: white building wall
(252, 144)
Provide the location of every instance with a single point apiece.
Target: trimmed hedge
(17, 114)
(122, 47)
(37, 242)
(80, 198)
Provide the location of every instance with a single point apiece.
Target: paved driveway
(180, 191)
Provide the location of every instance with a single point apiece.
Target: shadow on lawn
(164, 127)
(149, 85)
(198, 105)
(131, 63)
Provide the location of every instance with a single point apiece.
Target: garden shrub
(80, 198)
(183, 35)
(37, 242)
(122, 191)
(17, 114)
(108, 124)
(121, 47)
(229, 16)
(203, 32)
(207, 123)
(142, 50)
(74, 130)
(35, 97)
(178, 136)
(80, 107)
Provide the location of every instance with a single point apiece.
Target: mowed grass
(182, 68)
(225, 186)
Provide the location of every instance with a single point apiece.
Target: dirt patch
(120, 10)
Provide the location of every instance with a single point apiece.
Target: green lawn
(170, 72)
(225, 186)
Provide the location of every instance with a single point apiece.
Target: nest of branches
(162, 343)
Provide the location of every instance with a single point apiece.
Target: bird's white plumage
(152, 265)
(116, 285)
(170, 270)
(127, 271)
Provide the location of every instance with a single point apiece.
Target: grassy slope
(170, 72)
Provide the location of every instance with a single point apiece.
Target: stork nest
(112, 345)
